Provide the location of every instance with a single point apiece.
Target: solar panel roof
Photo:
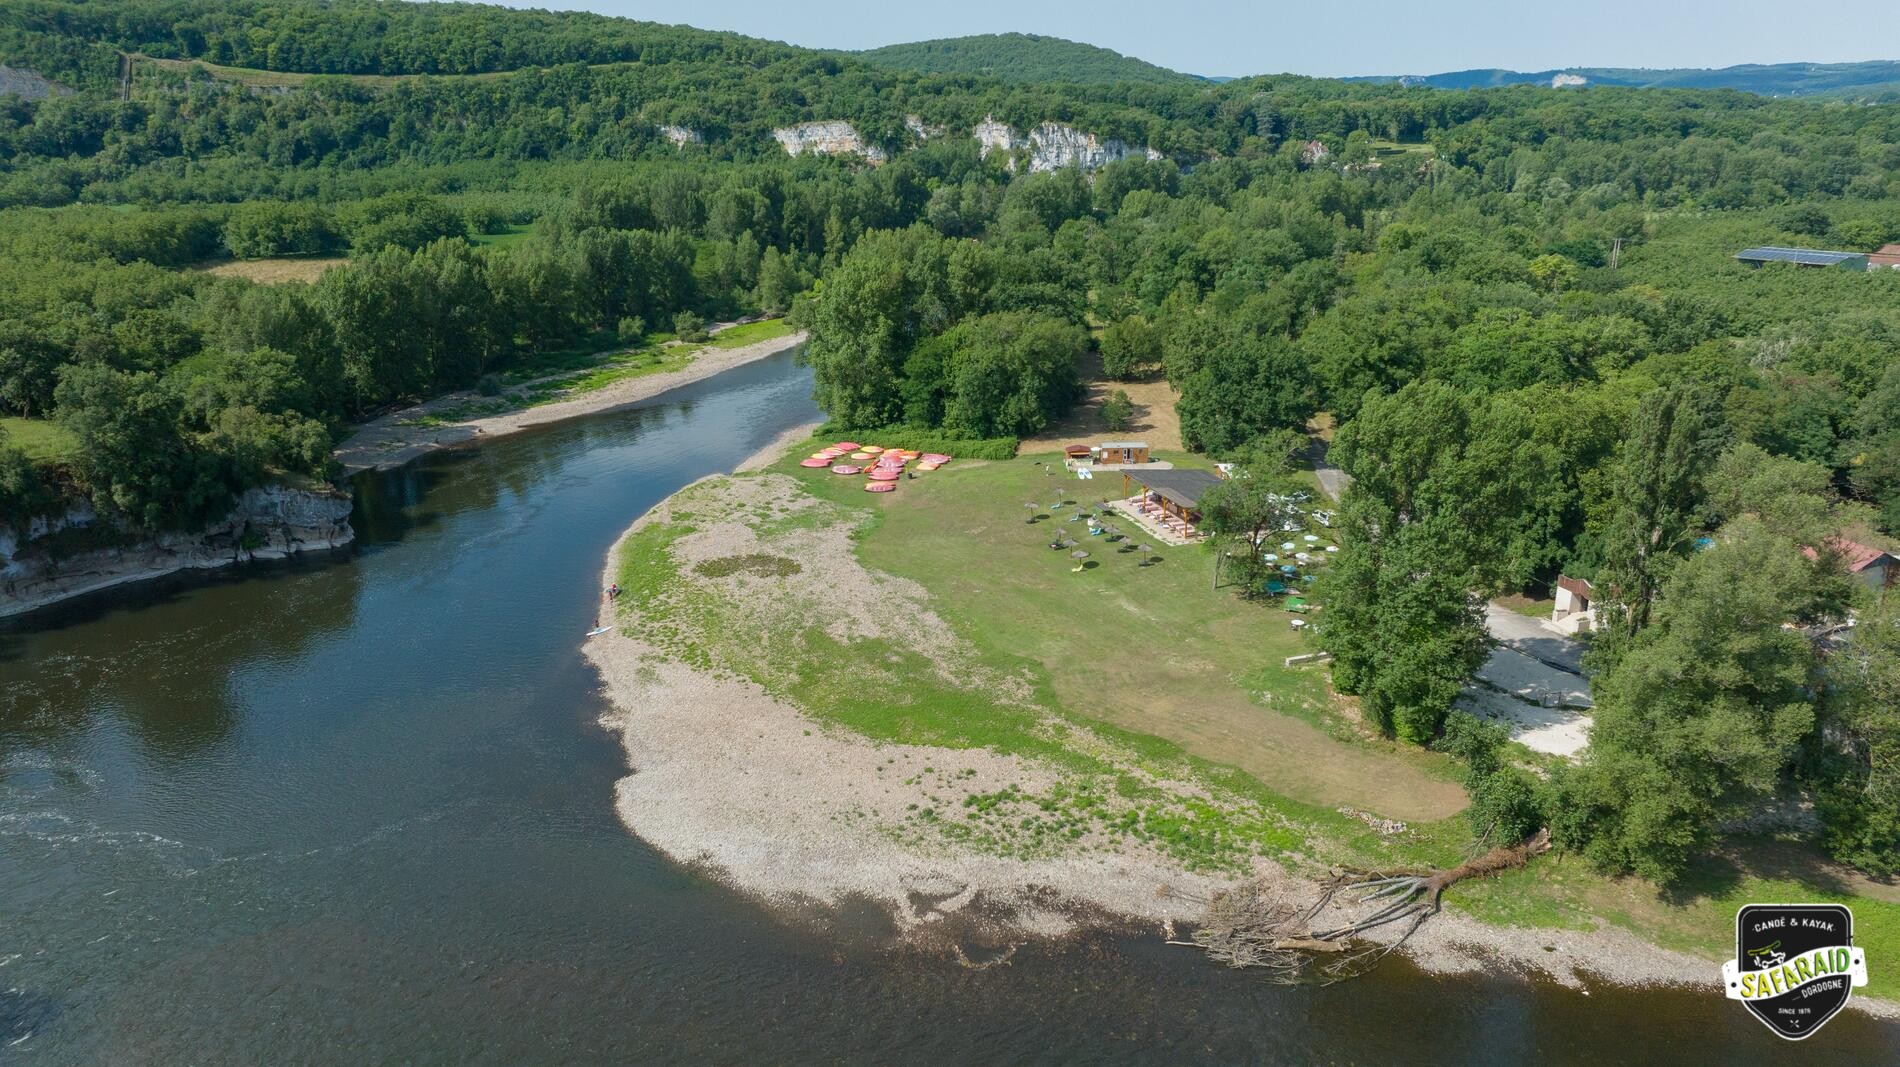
(1811, 257)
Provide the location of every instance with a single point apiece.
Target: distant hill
(1767, 79)
(1023, 57)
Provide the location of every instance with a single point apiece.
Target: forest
(1516, 307)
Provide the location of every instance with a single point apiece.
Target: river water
(357, 809)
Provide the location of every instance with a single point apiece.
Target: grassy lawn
(1523, 605)
(748, 333)
(1153, 650)
(1004, 693)
(43, 441)
(511, 235)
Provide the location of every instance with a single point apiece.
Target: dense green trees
(1701, 712)
(1858, 775)
(23, 489)
(1402, 619)
(268, 228)
(913, 328)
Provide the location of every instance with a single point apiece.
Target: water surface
(357, 808)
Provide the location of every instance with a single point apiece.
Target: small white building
(1575, 611)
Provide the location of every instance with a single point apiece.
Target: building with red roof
(1874, 566)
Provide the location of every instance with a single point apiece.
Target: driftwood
(1251, 925)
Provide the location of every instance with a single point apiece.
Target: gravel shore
(728, 778)
(731, 779)
(396, 438)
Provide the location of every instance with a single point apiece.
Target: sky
(1332, 39)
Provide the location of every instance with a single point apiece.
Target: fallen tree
(1256, 924)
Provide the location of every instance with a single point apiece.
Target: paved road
(1531, 637)
(1331, 478)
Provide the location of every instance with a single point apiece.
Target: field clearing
(510, 236)
(42, 441)
(1154, 420)
(277, 270)
(1153, 650)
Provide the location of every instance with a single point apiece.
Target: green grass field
(511, 235)
(1154, 650)
(747, 333)
(42, 441)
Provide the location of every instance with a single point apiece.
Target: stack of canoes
(882, 467)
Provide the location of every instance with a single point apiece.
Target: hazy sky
(1318, 37)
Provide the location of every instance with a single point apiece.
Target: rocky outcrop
(272, 522)
(681, 136)
(996, 136)
(826, 139)
(920, 129)
(28, 85)
(1053, 146)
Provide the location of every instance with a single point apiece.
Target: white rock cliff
(1053, 145)
(826, 139)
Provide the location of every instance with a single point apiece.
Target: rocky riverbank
(272, 522)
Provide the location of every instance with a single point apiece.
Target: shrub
(1117, 410)
(928, 441)
(758, 564)
(688, 326)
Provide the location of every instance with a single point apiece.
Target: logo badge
(1795, 965)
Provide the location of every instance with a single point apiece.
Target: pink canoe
(935, 457)
(880, 487)
(883, 476)
(846, 468)
(814, 463)
(846, 446)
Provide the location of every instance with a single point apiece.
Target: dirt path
(397, 438)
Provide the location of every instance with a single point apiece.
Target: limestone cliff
(681, 136)
(826, 139)
(1053, 145)
(272, 522)
(920, 129)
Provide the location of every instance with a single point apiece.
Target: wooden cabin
(1078, 452)
(1120, 452)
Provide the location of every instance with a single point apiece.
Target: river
(357, 809)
